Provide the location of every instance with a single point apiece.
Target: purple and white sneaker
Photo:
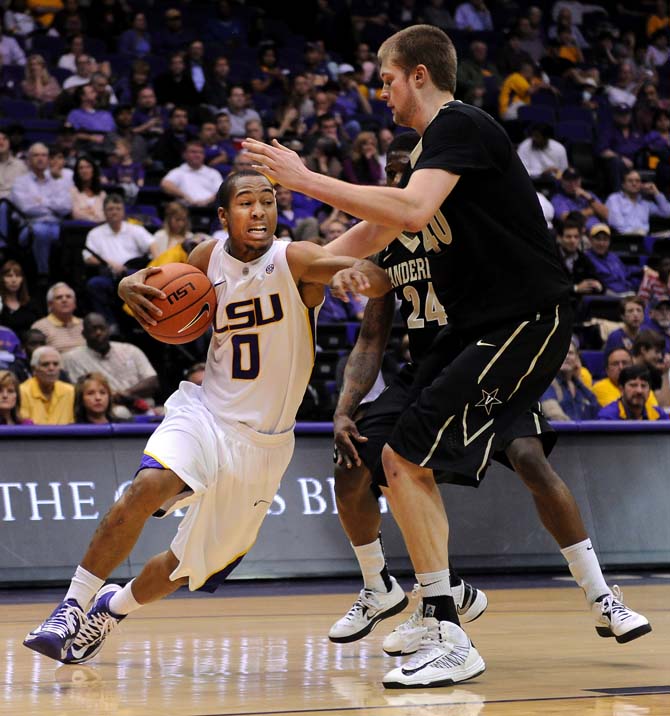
(54, 636)
(100, 622)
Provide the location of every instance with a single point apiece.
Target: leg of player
(111, 544)
(112, 604)
(381, 596)
(560, 514)
(445, 655)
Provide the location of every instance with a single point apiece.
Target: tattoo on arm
(359, 377)
(366, 357)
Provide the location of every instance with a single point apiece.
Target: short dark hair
(423, 45)
(403, 142)
(648, 339)
(225, 191)
(113, 198)
(569, 223)
(79, 92)
(116, 111)
(325, 117)
(630, 299)
(634, 372)
(546, 130)
(614, 350)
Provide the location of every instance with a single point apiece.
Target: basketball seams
(182, 276)
(176, 277)
(198, 301)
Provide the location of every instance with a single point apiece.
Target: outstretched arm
(360, 373)
(410, 208)
(363, 239)
(311, 264)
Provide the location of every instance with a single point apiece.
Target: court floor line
(433, 704)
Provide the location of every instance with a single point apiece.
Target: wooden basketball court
(270, 655)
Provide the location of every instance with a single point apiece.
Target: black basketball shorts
(378, 418)
(471, 396)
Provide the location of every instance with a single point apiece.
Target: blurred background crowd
(120, 118)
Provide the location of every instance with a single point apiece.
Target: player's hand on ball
(349, 280)
(137, 295)
(346, 432)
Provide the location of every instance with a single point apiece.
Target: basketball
(188, 307)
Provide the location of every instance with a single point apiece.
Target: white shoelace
(96, 627)
(65, 621)
(366, 598)
(415, 620)
(614, 604)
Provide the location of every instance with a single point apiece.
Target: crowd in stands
(119, 119)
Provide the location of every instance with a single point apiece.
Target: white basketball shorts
(234, 473)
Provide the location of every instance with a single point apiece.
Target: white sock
(83, 587)
(434, 584)
(123, 602)
(584, 567)
(371, 561)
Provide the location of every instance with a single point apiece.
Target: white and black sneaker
(470, 604)
(615, 619)
(367, 611)
(406, 637)
(446, 656)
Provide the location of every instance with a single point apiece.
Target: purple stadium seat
(544, 97)
(17, 108)
(40, 135)
(570, 131)
(594, 362)
(42, 125)
(607, 307)
(95, 47)
(50, 47)
(537, 113)
(60, 73)
(575, 113)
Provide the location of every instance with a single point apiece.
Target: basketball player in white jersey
(222, 449)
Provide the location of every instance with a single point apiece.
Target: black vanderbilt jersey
(492, 258)
(405, 260)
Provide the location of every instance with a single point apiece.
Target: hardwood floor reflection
(270, 655)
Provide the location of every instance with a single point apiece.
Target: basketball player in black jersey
(495, 270)
(406, 263)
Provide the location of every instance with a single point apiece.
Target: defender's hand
(277, 162)
(349, 280)
(346, 432)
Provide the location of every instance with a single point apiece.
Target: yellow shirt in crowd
(515, 88)
(607, 393)
(57, 410)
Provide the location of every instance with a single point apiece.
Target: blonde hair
(80, 415)
(29, 76)
(174, 208)
(357, 149)
(8, 378)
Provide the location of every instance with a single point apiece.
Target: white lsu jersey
(261, 353)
